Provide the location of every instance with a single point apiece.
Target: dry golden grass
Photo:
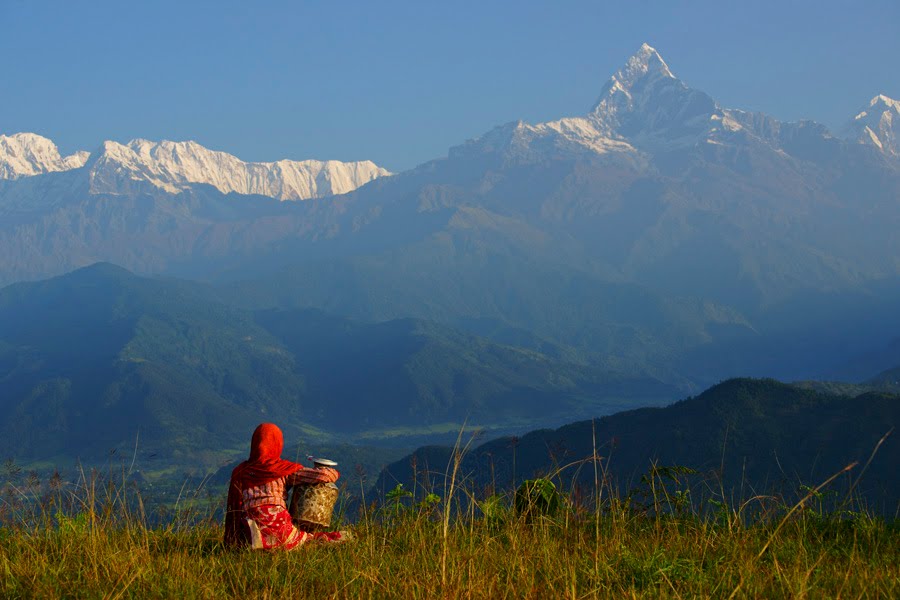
(105, 548)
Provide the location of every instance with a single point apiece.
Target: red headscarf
(264, 465)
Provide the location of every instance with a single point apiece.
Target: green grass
(97, 541)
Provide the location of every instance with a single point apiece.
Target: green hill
(744, 436)
(100, 358)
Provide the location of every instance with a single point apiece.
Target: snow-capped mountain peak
(643, 107)
(881, 99)
(175, 166)
(641, 72)
(27, 154)
(644, 102)
(646, 62)
(878, 125)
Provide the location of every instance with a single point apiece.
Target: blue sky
(400, 82)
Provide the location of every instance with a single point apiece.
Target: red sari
(256, 514)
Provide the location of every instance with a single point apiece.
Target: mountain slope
(97, 358)
(888, 379)
(92, 360)
(759, 436)
(878, 125)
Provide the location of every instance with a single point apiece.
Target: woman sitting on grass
(257, 515)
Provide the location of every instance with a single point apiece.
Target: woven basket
(312, 505)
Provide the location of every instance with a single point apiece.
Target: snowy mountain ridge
(644, 109)
(878, 125)
(174, 166)
(27, 154)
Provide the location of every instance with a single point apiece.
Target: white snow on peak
(27, 154)
(645, 68)
(175, 166)
(521, 141)
(878, 125)
(644, 103)
(645, 62)
(644, 110)
(643, 107)
(881, 99)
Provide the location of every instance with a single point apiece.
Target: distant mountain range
(650, 247)
(175, 166)
(28, 154)
(743, 437)
(657, 184)
(660, 229)
(101, 358)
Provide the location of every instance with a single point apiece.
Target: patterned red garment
(256, 515)
(271, 528)
(273, 492)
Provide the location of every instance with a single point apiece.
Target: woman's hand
(312, 476)
(329, 475)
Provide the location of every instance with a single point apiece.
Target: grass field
(95, 541)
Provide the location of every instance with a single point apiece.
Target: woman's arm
(313, 476)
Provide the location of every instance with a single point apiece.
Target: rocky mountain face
(645, 103)
(878, 125)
